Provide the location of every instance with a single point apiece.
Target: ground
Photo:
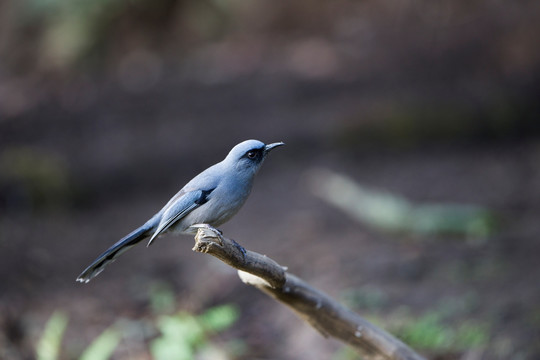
(101, 160)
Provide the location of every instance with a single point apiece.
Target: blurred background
(409, 187)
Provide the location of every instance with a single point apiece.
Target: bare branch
(321, 311)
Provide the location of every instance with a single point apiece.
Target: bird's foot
(240, 248)
(208, 231)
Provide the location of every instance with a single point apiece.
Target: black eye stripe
(253, 154)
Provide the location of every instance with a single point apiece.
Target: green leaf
(103, 346)
(181, 333)
(219, 318)
(165, 349)
(396, 214)
(48, 346)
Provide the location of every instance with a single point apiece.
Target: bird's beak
(269, 147)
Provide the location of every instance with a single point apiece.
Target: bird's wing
(181, 205)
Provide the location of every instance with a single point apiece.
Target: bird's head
(250, 154)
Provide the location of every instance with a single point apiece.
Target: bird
(212, 198)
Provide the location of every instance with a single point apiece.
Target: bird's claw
(240, 248)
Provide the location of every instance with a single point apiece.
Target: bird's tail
(124, 244)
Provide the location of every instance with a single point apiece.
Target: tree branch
(321, 311)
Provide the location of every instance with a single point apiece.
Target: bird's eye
(252, 154)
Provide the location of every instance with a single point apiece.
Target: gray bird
(212, 197)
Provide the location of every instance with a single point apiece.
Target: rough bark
(325, 314)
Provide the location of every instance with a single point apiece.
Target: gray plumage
(212, 197)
